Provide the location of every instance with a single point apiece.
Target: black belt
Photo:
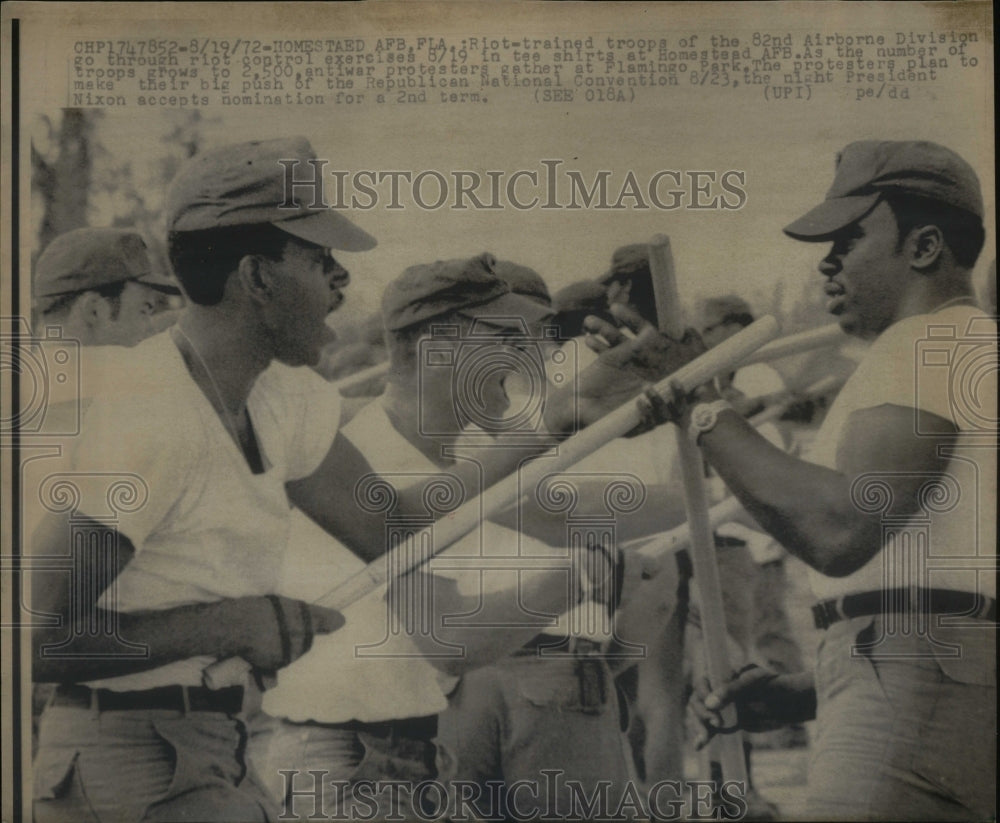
(892, 601)
(411, 728)
(173, 698)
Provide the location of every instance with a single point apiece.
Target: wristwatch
(704, 416)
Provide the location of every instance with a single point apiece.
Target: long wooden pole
(775, 410)
(670, 316)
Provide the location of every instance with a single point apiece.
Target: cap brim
(329, 229)
(159, 281)
(831, 216)
(508, 310)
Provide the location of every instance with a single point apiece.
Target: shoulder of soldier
(142, 393)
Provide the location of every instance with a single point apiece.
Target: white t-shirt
(203, 526)
(587, 618)
(388, 452)
(943, 363)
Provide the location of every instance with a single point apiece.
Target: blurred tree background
(76, 181)
(61, 167)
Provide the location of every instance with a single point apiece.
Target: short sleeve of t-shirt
(926, 362)
(915, 364)
(307, 411)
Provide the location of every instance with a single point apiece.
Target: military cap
(524, 281)
(584, 295)
(626, 262)
(90, 258)
(470, 286)
(715, 311)
(247, 184)
(867, 169)
(576, 302)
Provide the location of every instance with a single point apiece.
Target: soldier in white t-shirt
(894, 510)
(550, 706)
(181, 479)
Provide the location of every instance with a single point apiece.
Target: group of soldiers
(529, 669)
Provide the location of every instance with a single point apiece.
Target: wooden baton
(670, 317)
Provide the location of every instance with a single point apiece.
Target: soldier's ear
(92, 309)
(924, 246)
(255, 277)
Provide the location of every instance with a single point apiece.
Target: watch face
(703, 416)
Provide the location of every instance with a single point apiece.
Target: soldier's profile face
(867, 275)
(306, 289)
